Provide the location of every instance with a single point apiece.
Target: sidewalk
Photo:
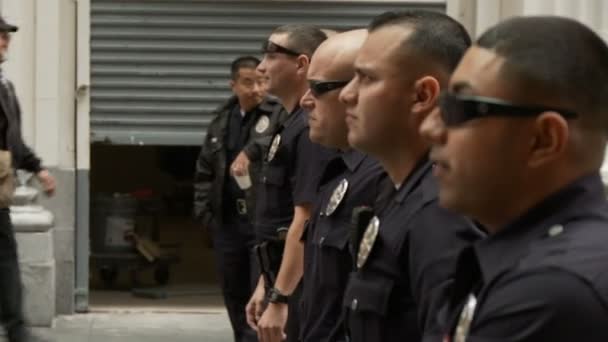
(136, 327)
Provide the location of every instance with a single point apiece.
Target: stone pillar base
(34, 237)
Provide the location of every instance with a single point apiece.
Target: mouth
(350, 117)
(440, 166)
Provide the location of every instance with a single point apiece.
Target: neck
(400, 164)
(291, 99)
(246, 107)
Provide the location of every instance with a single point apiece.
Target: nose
(307, 101)
(433, 129)
(348, 94)
(262, 66)
(258, 89)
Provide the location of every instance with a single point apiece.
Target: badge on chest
(466, 317)
(368, 240)
(274, 147)
(262, 125)
(336, 197)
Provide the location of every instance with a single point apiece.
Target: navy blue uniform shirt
(544, 277)
(290, 178)
(393, 296)
(327, 260)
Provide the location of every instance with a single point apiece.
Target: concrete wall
(478, 15)
(42, 64)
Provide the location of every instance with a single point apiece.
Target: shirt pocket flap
(334, 236)
(369, 295)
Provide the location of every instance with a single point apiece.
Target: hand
(47, 181)
(271, 327)
(240, 165)
(256, 306)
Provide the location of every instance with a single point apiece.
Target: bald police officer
(517, 145)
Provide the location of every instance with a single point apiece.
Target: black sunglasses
(318, 88)
(458, 109)
(270, 47)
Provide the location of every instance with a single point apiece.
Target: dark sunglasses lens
(316, 88)
(320, 88)
(452, 110)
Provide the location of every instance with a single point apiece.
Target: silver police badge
(262, 125)
(367, 242)
(466, 317)
(274, 147)
(336, 197)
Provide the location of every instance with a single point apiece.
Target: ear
(551, 134)
(232, 84)
(426, 92)
(302, 63)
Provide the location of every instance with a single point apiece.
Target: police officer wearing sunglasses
(518, 144)
(290, 176)
(405, 250)
(350, 180)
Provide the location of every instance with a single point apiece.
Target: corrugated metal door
(160, 67)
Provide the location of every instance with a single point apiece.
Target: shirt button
(321, 240)
(556, 230)
(354, 304)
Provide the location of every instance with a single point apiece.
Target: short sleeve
(309, 165)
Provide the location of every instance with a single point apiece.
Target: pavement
(139, 327)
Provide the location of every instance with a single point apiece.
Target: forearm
(292, 264)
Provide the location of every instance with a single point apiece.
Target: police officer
(350, 180)
(407, 252)
(518, 145)
(220, 203)
(290, 178)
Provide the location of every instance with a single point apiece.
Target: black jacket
(211, 164)
(23, 156)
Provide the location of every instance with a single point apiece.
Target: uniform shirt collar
(352, 159)
(294, 115)
(500, 251)
(422, 168)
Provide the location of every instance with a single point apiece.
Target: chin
(360, 143)
(452, 202)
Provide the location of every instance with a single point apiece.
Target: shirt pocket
(334, 263)
(367, 304)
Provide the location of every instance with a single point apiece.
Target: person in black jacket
(11, 303)
(241, 124)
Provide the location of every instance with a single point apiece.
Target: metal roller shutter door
(160, 67)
